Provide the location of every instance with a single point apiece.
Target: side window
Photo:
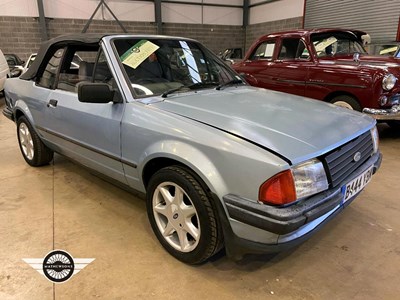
(293, 48)
(288, 49)
(77, 66)
(264, 51)
(11, 62)
(49, 75)
(237, 53)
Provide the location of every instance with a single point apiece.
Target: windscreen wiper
(230, 82)
(191, 87)
(166, 93)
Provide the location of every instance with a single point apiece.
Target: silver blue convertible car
(223, 164)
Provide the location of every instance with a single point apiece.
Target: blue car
(223, 164)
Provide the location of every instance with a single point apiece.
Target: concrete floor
(356, 256)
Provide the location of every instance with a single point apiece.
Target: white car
(4, 70)
(30, 60)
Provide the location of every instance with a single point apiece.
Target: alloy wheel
(26, 141)
(176, 217)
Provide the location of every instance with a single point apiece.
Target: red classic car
(326, 64)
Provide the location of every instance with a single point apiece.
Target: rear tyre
(32, 148)
(346, 102)
(181, 215)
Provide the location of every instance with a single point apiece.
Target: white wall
(274, 11)
(195, 14)
(21, 8)
(83, 9)
(144, 11)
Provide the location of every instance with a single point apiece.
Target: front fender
(187, 155)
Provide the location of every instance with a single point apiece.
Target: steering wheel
(141, 90)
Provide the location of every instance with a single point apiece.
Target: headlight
(309, 178)
(375, 138)
(288, 186)
(388, 82)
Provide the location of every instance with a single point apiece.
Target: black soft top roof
(56, 42)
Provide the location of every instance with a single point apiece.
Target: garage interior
(64, 206)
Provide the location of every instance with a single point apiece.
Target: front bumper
(384, 114)
(289, 226)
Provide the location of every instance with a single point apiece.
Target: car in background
(231, 55)
(4, 71)
(15, 64)
(329, 65)
(223, 164)
(29, 62)
(389, 49)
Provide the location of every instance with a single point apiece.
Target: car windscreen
(330, 44)
(158, 66)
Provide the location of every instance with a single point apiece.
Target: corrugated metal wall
(379, 18)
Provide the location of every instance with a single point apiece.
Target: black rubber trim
(87, 147)
(283, 220)
(336, 84)
(7, 112)
(321, 83)
(239, 246)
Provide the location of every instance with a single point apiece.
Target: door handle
(52, 103)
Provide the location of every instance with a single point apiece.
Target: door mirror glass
(93, 92)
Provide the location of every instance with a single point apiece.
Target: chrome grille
(340, 162)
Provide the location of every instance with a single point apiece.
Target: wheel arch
(21, 109)
(334, 94)
(197, 163)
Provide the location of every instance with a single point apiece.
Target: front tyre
(181, 215)
(32, 148)
(346, 102)
(394, 124)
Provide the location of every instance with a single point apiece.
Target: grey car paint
(275, 123)
(233, 139)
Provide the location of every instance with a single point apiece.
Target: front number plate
(357, 184)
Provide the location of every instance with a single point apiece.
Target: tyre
(32, 148)
(394, 124)
(182, 216)
(346, 102)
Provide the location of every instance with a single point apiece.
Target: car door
(87, 132)
(289, 71)
(256, 67)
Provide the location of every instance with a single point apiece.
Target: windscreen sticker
(138, 53)
(269, 50)
(388, 50)
(325, 43)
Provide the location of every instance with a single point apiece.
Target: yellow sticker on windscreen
(138, 53)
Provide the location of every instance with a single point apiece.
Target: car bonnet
(294, 127)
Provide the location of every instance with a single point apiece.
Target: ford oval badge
(357, 156)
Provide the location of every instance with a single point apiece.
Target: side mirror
(95, 92)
